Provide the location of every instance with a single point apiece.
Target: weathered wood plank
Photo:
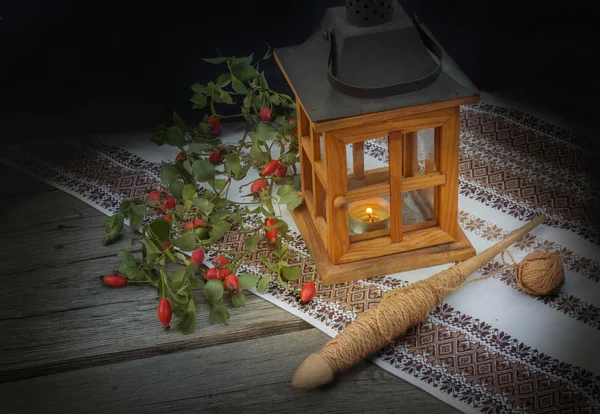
(249, 376)
(43, 211)
(125, 329)
(57, 246)
(14, 183)
(65, 287)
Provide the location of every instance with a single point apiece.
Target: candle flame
(369, 210)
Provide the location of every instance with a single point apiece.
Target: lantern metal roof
(368, 57)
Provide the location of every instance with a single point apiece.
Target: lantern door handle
(340, 202)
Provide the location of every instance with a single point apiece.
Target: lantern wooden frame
(323, 218)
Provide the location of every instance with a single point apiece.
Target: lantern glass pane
(418, 206)
(367, 163)
(419, 153)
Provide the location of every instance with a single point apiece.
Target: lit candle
(369, 215)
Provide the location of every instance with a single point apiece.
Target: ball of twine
(540, 273)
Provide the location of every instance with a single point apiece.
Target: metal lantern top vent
(369, 12)
(368, 57)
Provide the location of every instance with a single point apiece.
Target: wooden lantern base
(332, 274)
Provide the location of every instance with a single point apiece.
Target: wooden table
(70, 344)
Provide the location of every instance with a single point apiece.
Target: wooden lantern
(428, 184)
(401, 213)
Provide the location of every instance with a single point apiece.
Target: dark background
(87, 66)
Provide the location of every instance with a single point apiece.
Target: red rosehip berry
(215, 157)
(271, 233)
(114, 280)
(257, 186)
(223, 273)
(154, 195)
(270, 167)
(180, 156)
(190, 225)
(197, 257)
(166, 245)
(165, 313)
(281, 170)
(266, 114)
(211, 274)
(220, 261)
(232, 283)
(214, 125)
(198, 222)
(307, 292)
(167, 218)
(169, 202)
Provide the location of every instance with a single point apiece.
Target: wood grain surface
(69, 344)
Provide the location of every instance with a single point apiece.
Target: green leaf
(187, 167)
(292, 200)
(258, 155)
(238, 300)
(200, 232)
(175, 137)
(226, 97)
(243, 71)
(212, 316)
(218, 184)
(244, 171)
(264, 132)
(289, 158)
(204, 205)
(232, 165)
(160, 229)
(199, 99)
(263, 284)
(218, 230)
(224, 80)
(177, 277)
(276, 100)
(239, 87)
(186, 241)
(196, 87)
(151, 247)
(113, 227)
(263, 81)
(135, 222)
(291, 273)
(245, 59)
(213, 290)
(168, 173)
(198, 147)
(160, 138)
(252, 242)
(139, 210)
(176, 189)
(192, 268)
(285, 190)
(188, 324)
(179, 123)
(221, 313)
(216, 61)
(189, 192)
(248, 281)
(128, 258)
(203, 170)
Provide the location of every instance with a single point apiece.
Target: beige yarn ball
(541, 273)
